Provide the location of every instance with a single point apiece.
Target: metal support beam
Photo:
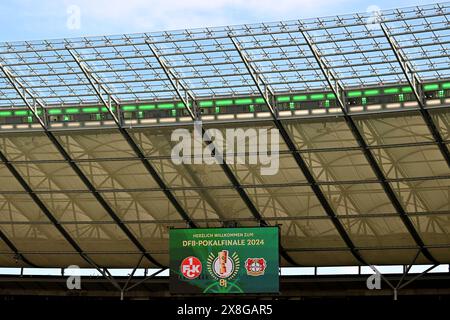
(264, 89)
(418, 276)
(226, 169)
(406, 270)
(338, 91)
(399, 285)
(35, 107)
(106, 274)
(45, 210)
(203, 190)
(23, 92)
(100, 89)
(132, 274)
(145, 279)
(177, 85)
(374, 269)
(16, 251)
(414, 82)
(82, 177)
(268, 96)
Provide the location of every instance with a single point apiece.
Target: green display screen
(224, 260)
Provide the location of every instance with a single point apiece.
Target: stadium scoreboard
(224, 260)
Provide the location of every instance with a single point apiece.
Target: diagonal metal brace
(99, 88)
(227, 170)
(408, 71)
(264, 89)
(85, 180)
(338, 91)
(414, 82)
(331, 78)
(177, 85)
(35, 106)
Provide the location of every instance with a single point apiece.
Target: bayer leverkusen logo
(191, 267)
(255, 266)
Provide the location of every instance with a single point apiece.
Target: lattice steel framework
(352, 209)
(205, 60)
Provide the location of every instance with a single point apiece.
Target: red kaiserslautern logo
(191, 267)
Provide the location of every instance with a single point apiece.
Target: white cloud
(145, 15)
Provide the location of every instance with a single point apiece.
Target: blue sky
(48, 19)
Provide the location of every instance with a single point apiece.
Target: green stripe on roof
(317, 96)
(372, 92)
(300, 98)
(243, 101)
(129, 108)
(166, 106)
(90, 109)
(5, 113)
(391, 90)
(205, 104)
(284, 99)
(354, 94)
(431, 87)
(105, 109)
(54, 111)
(147, 107)
(407, 89)
(72, 110)
(220, 103)
(21, 113)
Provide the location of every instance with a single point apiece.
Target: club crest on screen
(191, 267)
(255, 266)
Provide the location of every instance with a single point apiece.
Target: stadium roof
(364, 173)
(206, 61)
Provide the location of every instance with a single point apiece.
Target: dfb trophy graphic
(223, 257)
(223, 267)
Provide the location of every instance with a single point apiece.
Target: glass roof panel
(368, 198)
(424, 195)
(206, 61)
(286, 201)
(317, 134)
(95, 144)
(408, 162)
(394, 129)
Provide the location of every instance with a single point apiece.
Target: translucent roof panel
(381, 193)
(207, 63)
